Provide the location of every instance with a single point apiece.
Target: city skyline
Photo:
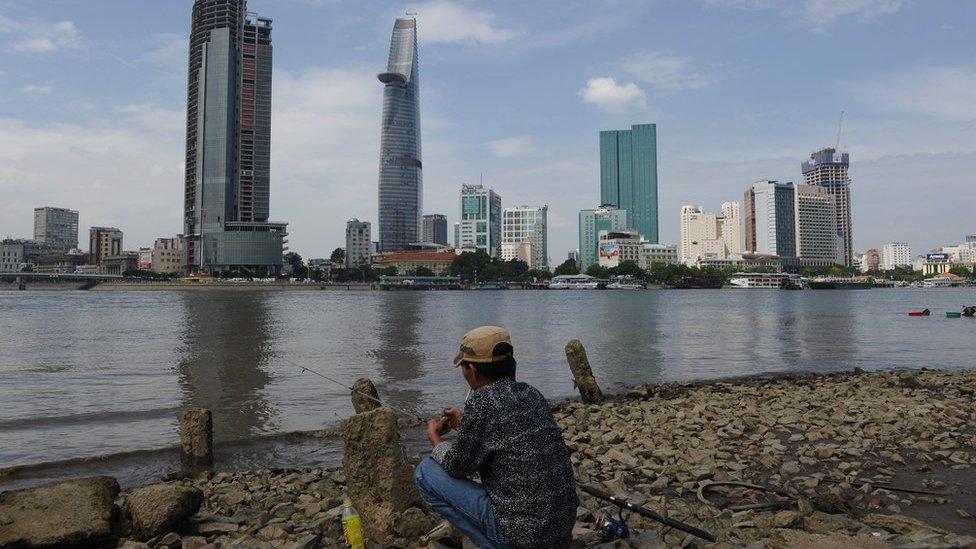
(327, 117)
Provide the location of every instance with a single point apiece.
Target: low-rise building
(11, 257)
(406, 262)
(167, 255)
(657, 253)
(103, 242)
(119, 264)
(936, 264)
(59, 262)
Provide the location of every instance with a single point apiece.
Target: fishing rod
(645, 512)
(592, 490)
(401, 411)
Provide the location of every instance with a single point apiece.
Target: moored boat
(573, 282)
(838, 283)
(770, 281)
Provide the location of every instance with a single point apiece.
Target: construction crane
(840, 125)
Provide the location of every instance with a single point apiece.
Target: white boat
(573, 282)
(774, 281)
(937, 282)
(624, 283)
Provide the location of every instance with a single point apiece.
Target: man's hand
(435, 428)
(453, 416)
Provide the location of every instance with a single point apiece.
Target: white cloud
(512, 146)
(666, 71)
(610, 96)
(36, 89)
(940, 92)
(42, 37)
(444, 21)
(820, 12)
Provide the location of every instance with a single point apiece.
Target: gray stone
(379, 479)
(194, 542)
(310, 541)
(158, 508)
(63, 514)
(364, 396)
(216, 528)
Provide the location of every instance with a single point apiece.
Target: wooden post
(196, 440)
(360, 402)
(582, 374)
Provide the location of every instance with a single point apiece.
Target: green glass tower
(628, 175)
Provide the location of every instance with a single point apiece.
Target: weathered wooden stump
(360, 401)
(196, 440)
(582, 373)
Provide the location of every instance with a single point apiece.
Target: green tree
(388, 271)
(539, 274)
(961, 270)
(423, 271)
(568, 267)
(597, 271)
(338, 256)
(470, 265)
(628, 268)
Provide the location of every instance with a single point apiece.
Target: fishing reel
(611, 528)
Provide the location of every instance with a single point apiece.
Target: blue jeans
(463, 503)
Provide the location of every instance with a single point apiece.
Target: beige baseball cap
(478, 345)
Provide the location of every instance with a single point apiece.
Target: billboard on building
(609, 254)
(937, 257)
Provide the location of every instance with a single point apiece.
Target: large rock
(364, 396)
(156, 509)
(795, 539)
(379, 479)
(65, 514)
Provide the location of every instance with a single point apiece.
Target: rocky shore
(846, 460)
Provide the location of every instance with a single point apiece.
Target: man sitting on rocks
(527, 496)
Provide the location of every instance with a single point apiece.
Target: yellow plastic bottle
(352, 526)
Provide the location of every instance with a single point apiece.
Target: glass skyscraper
(828, 168)
(401, 185)
(228, 143)
(628, 175)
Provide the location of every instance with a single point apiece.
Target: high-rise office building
(522, 224)
(828, 169)
(480, 227)
(401, 187)
(770, 223)
(707, 235)
(228, 143)
(103, 242)
(817, 241)
(628, 175)
(604, 219)
(358, 243)
(895, 254)
(56, 228)
(435, 229)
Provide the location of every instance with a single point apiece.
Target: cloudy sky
(93, 107)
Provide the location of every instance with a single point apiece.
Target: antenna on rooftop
(411, 14)
(840, 126)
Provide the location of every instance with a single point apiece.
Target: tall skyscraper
(358, 243)
(228, 143)
(401, 187)
(709, 235)
(604, 219)
(435, 229)
(56, 228)
(770, 223)
(628, 175)
(828, 169)
(816, 226)
(526, 224)
(481, 220)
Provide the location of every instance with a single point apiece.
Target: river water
(92, 382)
